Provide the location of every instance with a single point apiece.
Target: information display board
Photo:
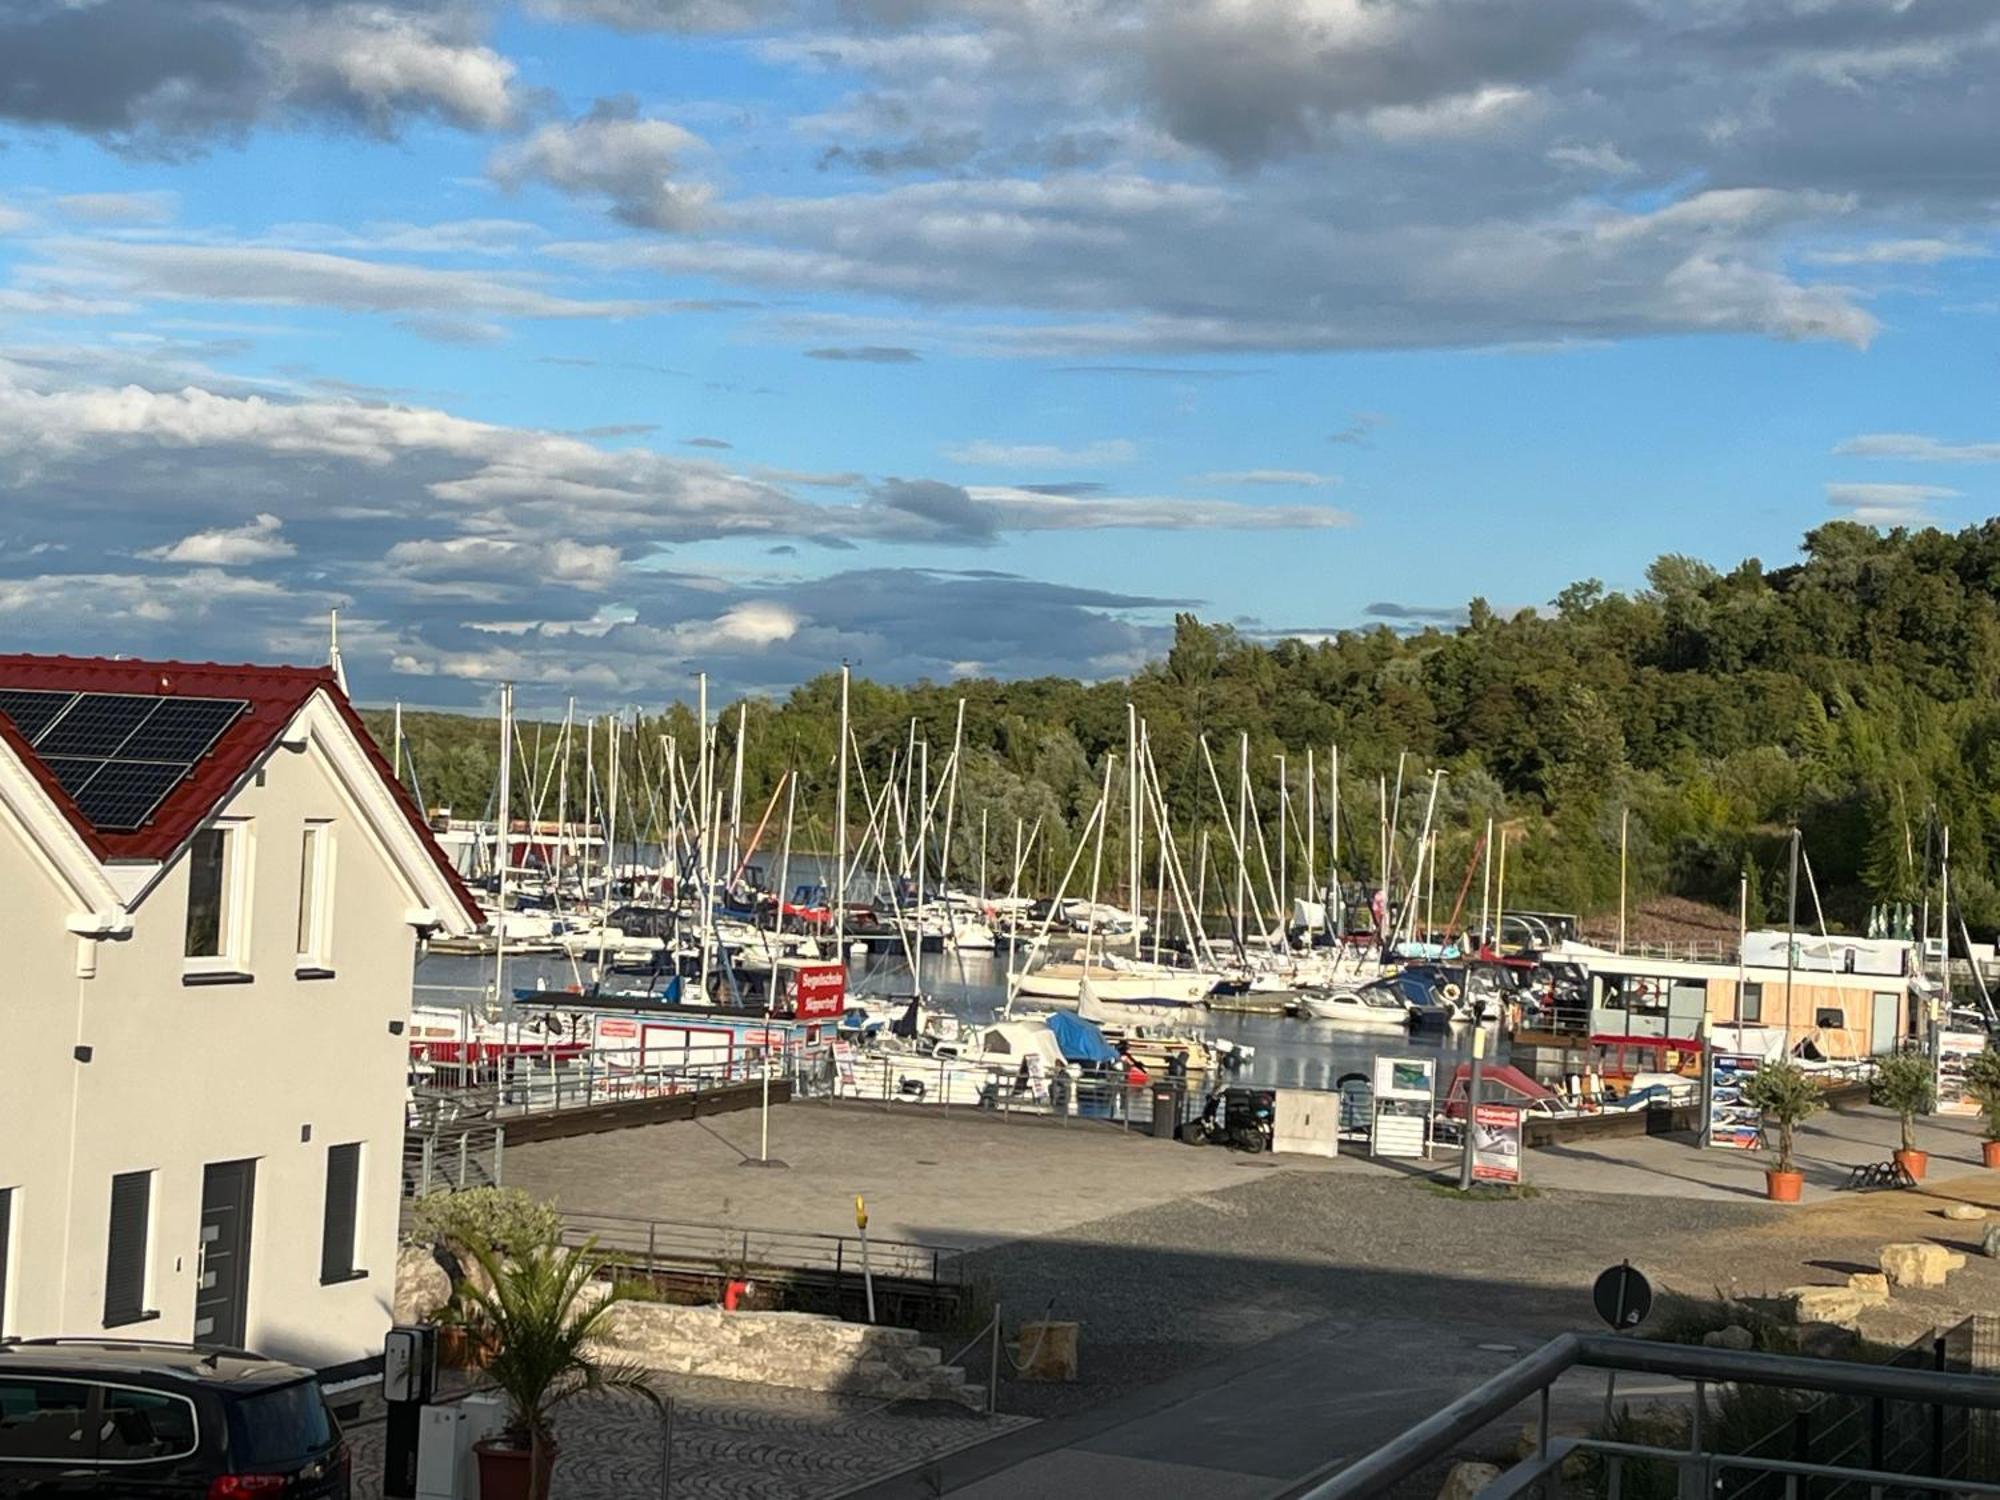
(1734, 1123)
(1496, 1143)
(1956, 1049)
(1405, 1090)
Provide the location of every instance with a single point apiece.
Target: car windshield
(278, 1427)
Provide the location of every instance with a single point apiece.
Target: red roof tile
(274, 694)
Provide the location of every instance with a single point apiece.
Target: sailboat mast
(705, 830)
(504, 838)
(840, 833)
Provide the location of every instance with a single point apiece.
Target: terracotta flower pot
(1783, 1187)
(1989, 1152)
(1916, 1163)
(504, 1469)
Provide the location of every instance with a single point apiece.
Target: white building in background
(212, 895)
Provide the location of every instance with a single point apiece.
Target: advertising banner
(1734, 1123)
(819, 993)
(1405, 1090)
(1496, 1143)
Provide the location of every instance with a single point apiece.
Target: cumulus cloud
(163, 78)
(258, 540)
(1888, 504)
(612, 153)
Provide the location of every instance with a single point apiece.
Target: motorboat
(1371, 1005)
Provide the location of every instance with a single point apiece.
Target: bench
(1878, 1174)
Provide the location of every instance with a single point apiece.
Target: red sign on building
(819, 993)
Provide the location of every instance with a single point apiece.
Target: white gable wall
(185, 1074)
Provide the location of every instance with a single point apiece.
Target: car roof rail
(57, 1341)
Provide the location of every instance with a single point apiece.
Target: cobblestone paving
(731, 1442)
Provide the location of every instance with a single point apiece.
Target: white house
(212, 894)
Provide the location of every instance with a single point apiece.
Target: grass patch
(1479, 1192)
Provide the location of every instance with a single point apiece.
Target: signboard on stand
(1956, 1050)
(819, 993)
(1734, 1123)
(1405, 1090)
(1496, 1143)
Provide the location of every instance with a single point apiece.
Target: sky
(591, 344)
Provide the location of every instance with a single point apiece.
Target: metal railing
(1696, 1468)
(535, 1083)
(452, 1157)
(893, 1081)
(737, 1249)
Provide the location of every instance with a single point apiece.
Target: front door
(222, 1296)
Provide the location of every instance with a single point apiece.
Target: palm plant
(538, 1312)
(1906, 1083)
(1787, 1095)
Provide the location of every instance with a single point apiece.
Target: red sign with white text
(820, 992)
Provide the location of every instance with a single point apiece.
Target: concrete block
(1917, 1264)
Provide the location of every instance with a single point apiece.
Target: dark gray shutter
(343, 1182)
(6, 1239)
(125, 1258)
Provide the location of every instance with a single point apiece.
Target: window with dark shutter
(125, 1257)
(6, 1240)
(343, 1186)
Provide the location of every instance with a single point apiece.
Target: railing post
(429, 1163)
(461, 1159)
(499, 1152)
(1937, 1412)
(1800, 1487)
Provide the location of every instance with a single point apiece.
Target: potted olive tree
(1787, 1095)
(1905, 1082)
(540, 1312)
(1982, 1082)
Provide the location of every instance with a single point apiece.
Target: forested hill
(1852, 693)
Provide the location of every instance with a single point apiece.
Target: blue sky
(591, 343)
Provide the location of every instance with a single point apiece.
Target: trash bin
(1166, 1111)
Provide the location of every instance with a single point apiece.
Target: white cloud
(257, 540)
(152, 207)
(1601, 157)
(613, 154)
(382, 65)
(1888, 504)
(1915, 252)
(987, 453)
(1302, 478)
(1917, 448)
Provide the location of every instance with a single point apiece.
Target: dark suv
(126, 1419)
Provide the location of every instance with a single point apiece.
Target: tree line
(1850, 694)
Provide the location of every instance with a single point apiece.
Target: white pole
(1284, 800)
(1624, 842)
(397, 749)
(610, 830)
(1486, 892)
(736, 791)
(840, 822)
(706, 774)
(1097, 860)
(1314, 891)
(504, 838)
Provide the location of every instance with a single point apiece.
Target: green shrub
(501, 1219)
(1787, 1095)
(1982, 1082)
(1906, 1083)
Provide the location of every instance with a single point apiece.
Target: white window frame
(238, 852)
(318, 855)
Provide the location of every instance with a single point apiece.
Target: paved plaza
(1245, 1320)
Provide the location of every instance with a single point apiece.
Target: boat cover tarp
(1080, 1040)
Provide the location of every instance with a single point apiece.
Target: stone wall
(805, 1351)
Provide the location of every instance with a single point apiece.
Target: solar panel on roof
(181, 730)
(96, 724)
(123, 794)
(32, 709)
(73, 772)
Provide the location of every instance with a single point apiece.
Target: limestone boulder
(1735, 1336)
(1839, 1305)
(1872, 1287)
(421, 1284)
(1989, 1246)
(1918, 1264)
(1964, 1213)
(1466, 1480)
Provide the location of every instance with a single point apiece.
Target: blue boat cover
(1080, 1040)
